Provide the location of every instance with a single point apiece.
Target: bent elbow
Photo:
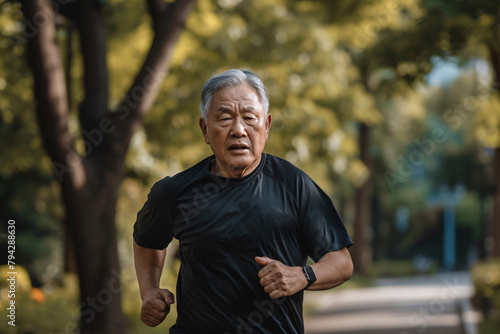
(349, 270)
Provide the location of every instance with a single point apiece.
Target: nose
(238, 128)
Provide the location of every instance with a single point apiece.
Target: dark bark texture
(90, 181)
(495, 217)
(362, 251)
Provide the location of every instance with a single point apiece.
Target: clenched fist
(155, 306)
(278, 279)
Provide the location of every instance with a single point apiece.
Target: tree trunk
(495, 217)
(90, 183)
(361, 252)
(90, 215)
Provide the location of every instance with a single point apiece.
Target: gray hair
(232, 78)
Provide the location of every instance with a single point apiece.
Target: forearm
(280, 280)
(148, 267)
(332, 269)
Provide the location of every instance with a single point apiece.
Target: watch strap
(310, 276)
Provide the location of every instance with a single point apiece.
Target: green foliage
(28, 193)
(58, 312)
(467, 212)
(17, 124)
(23, 283)
(487, 122)
(328, 66)
(486, 280)
(489, 326)
(314, 87)
(396, 268)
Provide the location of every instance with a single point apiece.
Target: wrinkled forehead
(241, 96)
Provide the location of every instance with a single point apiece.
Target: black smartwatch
(309, 274)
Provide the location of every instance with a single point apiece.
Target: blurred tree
(319, 102)
(343, 79)
(466, 30)
(320, 80)
(367, 109)
(25, 171)
(90, 174)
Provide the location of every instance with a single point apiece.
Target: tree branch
(48, 74)
(142, 93)
(91, 28)
(156, 9)
(69, 9)
(495, 62)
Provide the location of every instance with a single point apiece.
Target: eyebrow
(224, 109)
(248, 108)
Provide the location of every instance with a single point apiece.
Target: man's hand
(278, 279)
(155, 306)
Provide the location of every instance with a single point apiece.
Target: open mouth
(238, 147)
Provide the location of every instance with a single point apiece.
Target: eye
(250, 119)
(224, 121)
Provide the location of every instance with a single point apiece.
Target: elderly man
(246, 223)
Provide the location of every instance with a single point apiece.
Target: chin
(242, 162)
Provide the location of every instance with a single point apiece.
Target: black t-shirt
(222, 224)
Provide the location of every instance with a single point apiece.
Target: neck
(232, 172)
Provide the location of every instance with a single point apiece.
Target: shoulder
(172, 185)
(282, 168)
(285, 172)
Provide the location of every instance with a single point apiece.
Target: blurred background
(392, 107)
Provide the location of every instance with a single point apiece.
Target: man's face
(236, 130)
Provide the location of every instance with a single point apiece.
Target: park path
(437, 304)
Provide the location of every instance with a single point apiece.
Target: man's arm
(155, 301)
(279, 280)
(332, 270)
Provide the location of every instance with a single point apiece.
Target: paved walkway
(435, 304)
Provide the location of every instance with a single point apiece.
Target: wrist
(309, 275)
(147, 288)
(301, 278)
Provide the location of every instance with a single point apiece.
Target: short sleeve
(323, 230)
(153, 227)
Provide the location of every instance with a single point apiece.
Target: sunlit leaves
(487, 122)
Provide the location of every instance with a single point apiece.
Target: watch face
(306, 274)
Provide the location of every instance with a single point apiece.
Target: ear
(203, 127)
(268, 125)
